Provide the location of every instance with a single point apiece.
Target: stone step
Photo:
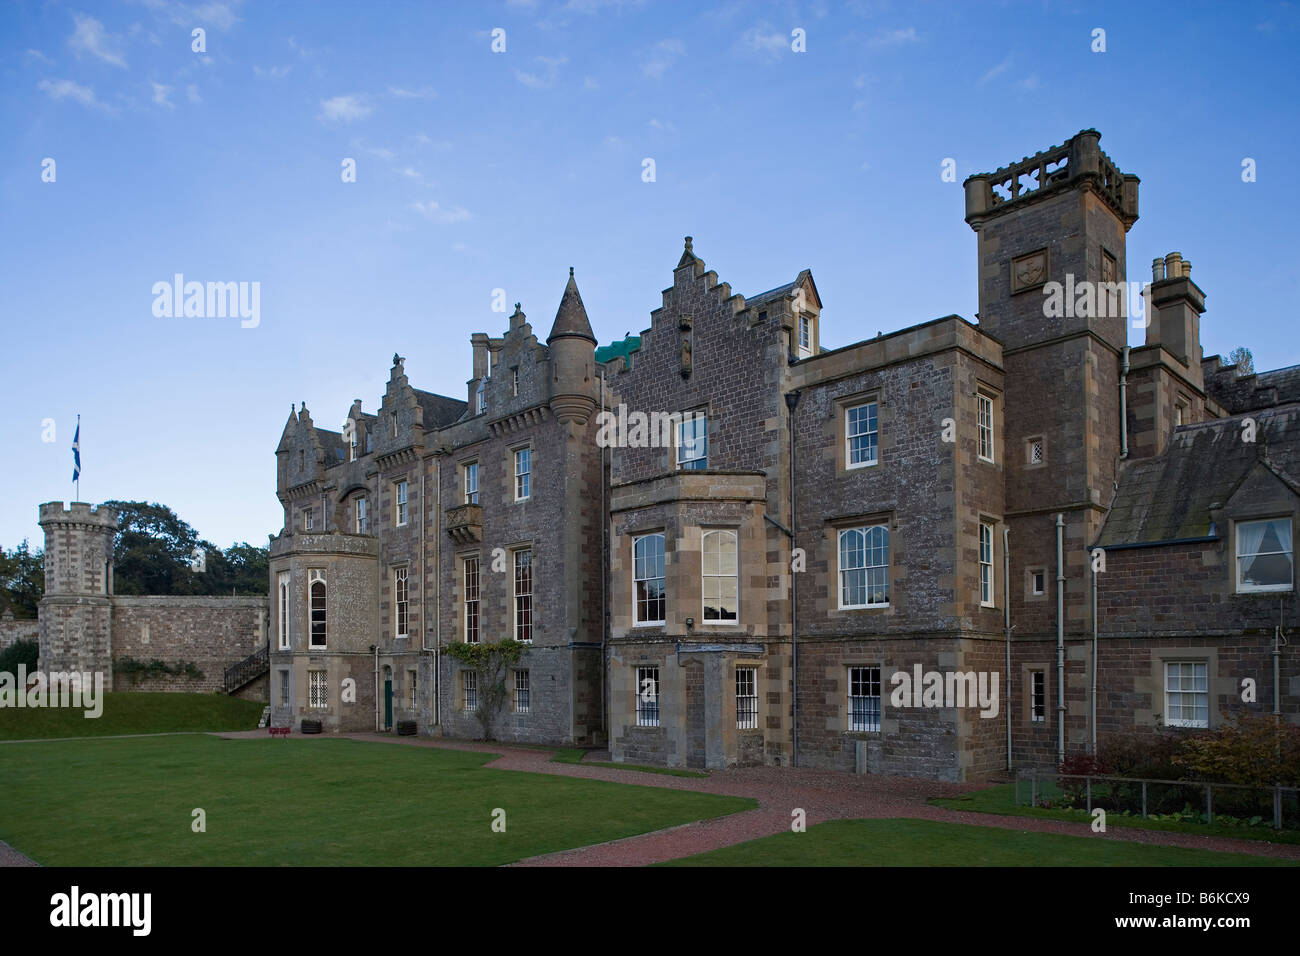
(266, 717)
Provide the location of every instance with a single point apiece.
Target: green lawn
(308, 802)
(1002, 800)
(133, 713)
(929, 843)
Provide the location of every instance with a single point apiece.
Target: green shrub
(19, 652)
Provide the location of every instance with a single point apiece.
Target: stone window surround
(524, 686)
(1040, 440)
(983, 390)
(847, 669)
(511, 452)
(514, 551)
(633, 538)
(990, 522)
(831, 539)
(401, 566)
(314, 576)
(1233, 567)
(1208, 655)
(757, 698)
(1026, 680)
(397, 512)
(842, 406)
(459, 594)
(462, 472)
(1030, 595)
(734, 530)
(675, 464)
(1166, 658)
(283, 615)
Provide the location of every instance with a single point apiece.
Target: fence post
(1209, 804)
(1144, 799)
(1088, 784)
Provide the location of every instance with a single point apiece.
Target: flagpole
(77, 449)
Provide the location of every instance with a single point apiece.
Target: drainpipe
(374, 649)
(1092, 719)
(1060, 639)
(604, 578)
(437, 591)
(1123, 403)
(792, 400)
(1006, 600)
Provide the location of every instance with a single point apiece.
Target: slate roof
(571, 317)
(1285, 380)
(439, 410)
(1169, 497)
(625, 348)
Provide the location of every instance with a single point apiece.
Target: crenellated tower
(76, 613)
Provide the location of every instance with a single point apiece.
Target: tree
(153, 550)
(489, 660)
(22, 580)
(1241, 357)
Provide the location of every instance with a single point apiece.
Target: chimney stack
(1174, 306)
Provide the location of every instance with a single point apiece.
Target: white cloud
(548, 75)
(435, 213)
(161, 94)
(664, 126)
(995, 71)
(662, 55)
(764, 41)
(192, 94)
(220, 16)
(344, 109)
(589, 83)
(38, 56)
(1029, 83)
(423, 93)
(68, 90)
(89, 36)
(894, 37)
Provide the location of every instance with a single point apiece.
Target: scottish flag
(76, 452)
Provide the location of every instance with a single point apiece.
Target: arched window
(719, 577)
(318, 613)
(864, 567)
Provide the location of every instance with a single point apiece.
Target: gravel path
(822, 794)
(11, 857)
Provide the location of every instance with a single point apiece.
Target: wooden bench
(279, 731)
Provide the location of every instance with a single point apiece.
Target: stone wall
(13, 630)
(212, 632)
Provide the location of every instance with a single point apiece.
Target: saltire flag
(76, 452)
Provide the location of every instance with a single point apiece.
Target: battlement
(1079, 158)
(78, 512)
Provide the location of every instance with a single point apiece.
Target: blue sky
(479, 170)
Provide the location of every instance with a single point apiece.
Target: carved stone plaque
(1029, 271)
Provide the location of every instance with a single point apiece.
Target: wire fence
(1190, 801)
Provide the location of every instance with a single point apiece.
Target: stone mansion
(1104, 533)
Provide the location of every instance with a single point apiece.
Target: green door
(388, 704)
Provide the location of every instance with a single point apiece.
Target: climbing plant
(490, 661)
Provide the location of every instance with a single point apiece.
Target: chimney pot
(1173, 265)
(1157, 269)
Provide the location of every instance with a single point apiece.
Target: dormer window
(480, 397)
(1265, 561)
(805, 336)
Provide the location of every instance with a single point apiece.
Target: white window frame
(1199, 674)
(747, 698)
(647, 699)
(518, 596)
(480, 396)
(317, 578)
(708, 578)
(473, 593)
(864, 719)
(308, 519)
(987, 580)
(469, 479)
(698, 448)
(1243, 588)
(318, 690)
(413, 682)
(984, 421)
(804, 336)
(523, 691)
(401, 602)
(868, 549)
(850, 434)
(524, 475)
(1033, 573)
(361, 515)
(285, 697)
(639, 578)
(283, 589)
(400, 514)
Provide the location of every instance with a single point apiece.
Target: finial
(397, 359)
(519, 307)
(688, 245)
(570, 272)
